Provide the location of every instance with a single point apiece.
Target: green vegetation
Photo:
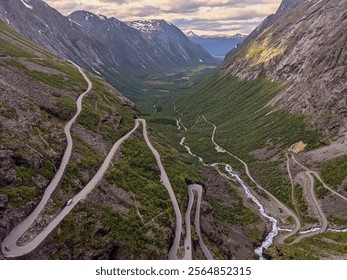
(244, 124)
(28, 189)
(27, 48)
(87, 163)
(337, 221)
(58, 81)
(237, 215)
(137, 172)
(9, 49)
(104, 114)
(320, 191)
(320, 246)
(303, 206)
(238, 108)
(134, 234)
(334, 171)
(73, 78)
(268, 174)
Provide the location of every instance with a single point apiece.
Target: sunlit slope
(244, 126)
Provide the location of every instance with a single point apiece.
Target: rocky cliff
(305, 45)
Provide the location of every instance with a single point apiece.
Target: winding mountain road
(319, 178)
(20, 229)
(279, 203)
(323, 218)
(9, 246)
(166, 182)
(188, 241)
(292, 185)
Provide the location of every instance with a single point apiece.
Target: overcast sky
(200, 16)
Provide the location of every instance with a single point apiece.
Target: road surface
(324, 220)
(292, 185)
(320, 179)
(166, 182)
(20, 229)
(188, 240)
(279, 203)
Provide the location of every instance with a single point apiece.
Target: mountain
(285, 7)
(313, 63)
(53, 31)
(277, 112)
(170, 45)
(129, 214)
(105, 46)
(217, 45)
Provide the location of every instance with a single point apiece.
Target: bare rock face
(305, 45)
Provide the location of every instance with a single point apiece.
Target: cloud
(200, 16)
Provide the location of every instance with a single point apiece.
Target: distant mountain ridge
(103, 45)
(191, 34)
(217, 45)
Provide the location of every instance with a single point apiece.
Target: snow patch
(146, 26)
(25, 3)
(102, 17)
(76, 23)
(95, 71)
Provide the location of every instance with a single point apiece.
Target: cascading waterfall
(268, 241)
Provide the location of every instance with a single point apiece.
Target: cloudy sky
(200, 16)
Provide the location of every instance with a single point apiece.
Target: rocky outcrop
(306, 47)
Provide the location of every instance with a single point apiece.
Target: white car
(69, 202)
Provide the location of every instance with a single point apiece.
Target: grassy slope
(244, 124)
(323, 246)
(16, 47)
(15, 50)
(135, 171)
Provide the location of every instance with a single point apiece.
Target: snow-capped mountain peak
(191, 34)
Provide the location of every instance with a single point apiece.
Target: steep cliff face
(285, 7)
(306, 47)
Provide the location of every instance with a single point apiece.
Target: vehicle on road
(69, 202)
(7, 248)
